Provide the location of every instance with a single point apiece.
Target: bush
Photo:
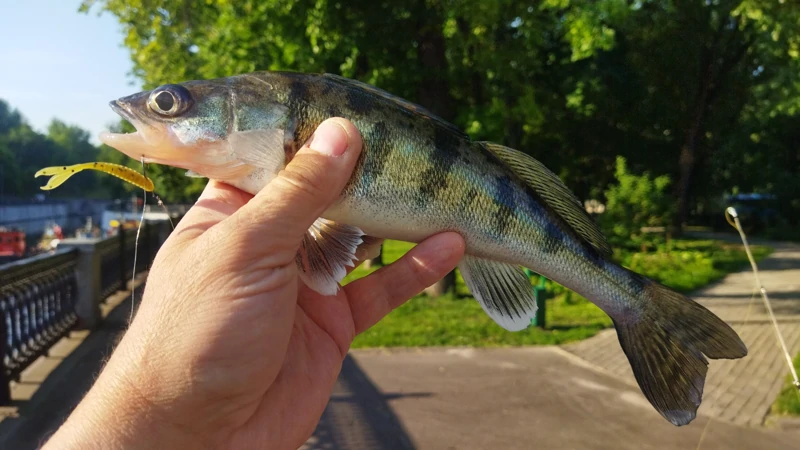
(635, 202)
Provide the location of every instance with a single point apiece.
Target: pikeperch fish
(419, 175)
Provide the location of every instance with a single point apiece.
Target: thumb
(285, 208)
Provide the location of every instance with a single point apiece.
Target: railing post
(148, 245)
(164, 231)
(5, 381)
(87, 308)
(123, 273)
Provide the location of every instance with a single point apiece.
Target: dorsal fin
(405, 105)
(554, 192)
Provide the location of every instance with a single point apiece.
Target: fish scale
(416, 176)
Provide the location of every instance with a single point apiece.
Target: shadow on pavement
(64, 387)
(358, 416)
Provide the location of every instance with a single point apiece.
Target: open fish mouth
(149, 143)
(155, 142)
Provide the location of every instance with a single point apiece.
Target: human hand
(229, 348)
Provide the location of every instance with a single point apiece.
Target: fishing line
(136, 243)
(166, 211)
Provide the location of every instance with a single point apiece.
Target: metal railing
(37, 308)
(112, 265)
(44, 297)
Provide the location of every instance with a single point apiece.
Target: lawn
(788, 401)
(457, 319)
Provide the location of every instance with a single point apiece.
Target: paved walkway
(519, 398)
(526, 398)
(737, 391)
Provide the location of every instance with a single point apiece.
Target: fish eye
(170, 100)
(164, 100)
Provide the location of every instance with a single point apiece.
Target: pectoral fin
(328, 249)
(503, 290)
(259, 148)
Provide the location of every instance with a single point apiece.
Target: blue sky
(58, 63)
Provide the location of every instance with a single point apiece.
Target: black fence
(37, 308)
(117, 255)
(38, 295)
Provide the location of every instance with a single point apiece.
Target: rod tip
(732, 211)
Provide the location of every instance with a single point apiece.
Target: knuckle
(306, 182)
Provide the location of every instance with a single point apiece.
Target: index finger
(376, 295)
(217, 202)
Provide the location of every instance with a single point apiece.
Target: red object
(12, 243)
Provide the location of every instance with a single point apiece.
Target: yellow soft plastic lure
(60, 174)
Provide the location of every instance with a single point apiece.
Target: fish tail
(665, 344)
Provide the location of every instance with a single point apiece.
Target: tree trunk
(688, 157)
(434, 94)
(687, 162)
(716, 64)
(442, 286)
(376, 261)
(434, 89)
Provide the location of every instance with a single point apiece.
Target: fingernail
(330, 139)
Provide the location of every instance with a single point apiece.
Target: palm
(323, 330)
(269, 378)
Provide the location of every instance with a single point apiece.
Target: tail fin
(665, 347)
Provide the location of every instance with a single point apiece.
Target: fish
(60, 174)
(419, 175)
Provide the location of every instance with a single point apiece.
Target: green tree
(9, 172)
(667, 84)
(683, 76)
(23, 151)
(635, 202)
(9, 118)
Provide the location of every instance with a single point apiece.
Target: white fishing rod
(731, 213)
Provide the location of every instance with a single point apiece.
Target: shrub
(634, 202)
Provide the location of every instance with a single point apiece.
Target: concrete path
(53, 385)
(525, 398)
(737, 391)
(521, 398)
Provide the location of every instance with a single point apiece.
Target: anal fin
(327, 250)
(503, 290)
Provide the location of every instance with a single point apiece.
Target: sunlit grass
(457, 319)
(788, 401)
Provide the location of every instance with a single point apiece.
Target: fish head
(190, 125)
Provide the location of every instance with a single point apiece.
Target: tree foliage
(635, 202)
(701, 91)
(23, 151)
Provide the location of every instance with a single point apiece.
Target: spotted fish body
(419, 175)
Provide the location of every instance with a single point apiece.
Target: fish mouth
(144, 144)
(122, 111)
(154, 141)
